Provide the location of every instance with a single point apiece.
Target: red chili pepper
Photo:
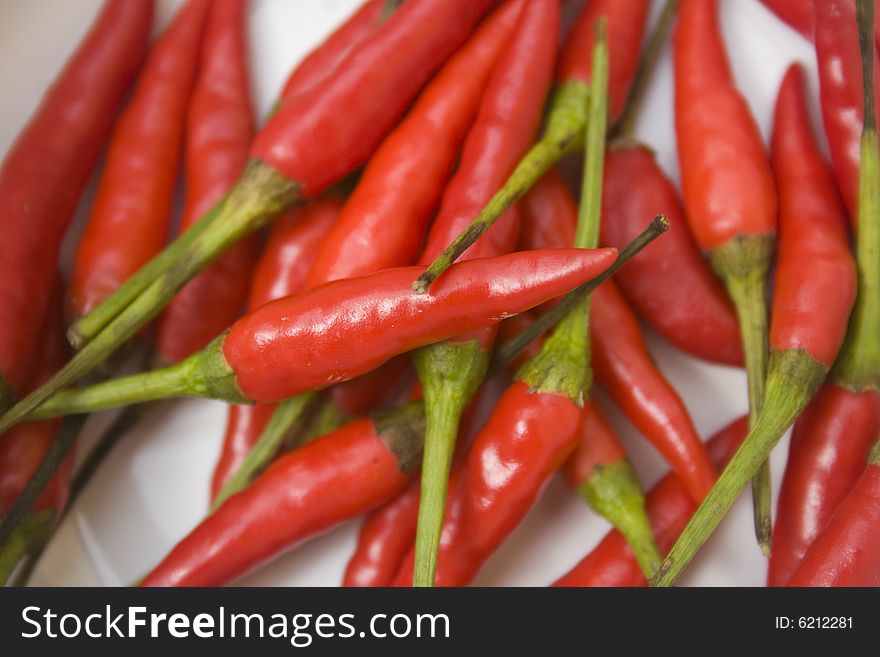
(502, 133)
(847, 552)
(621, 360)
(671, 285)
(323, 60)
(46, 169)
(280, 271)
(611, 563)
(829, 448)
(129, 221)
(304, 493)
(797, 14)
(220, 126)
(625, 21)
(383, 223)
(346, 328)
(310, 140)
(840, 85)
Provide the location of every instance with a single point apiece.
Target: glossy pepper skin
(598, 446)
(620, 357)
(47, 167)
(847, 552)
(220, 126)
(726, 178)
(828, 451)
(815, 262)
(306, 340)
(525, 440)
(611, 563)
(625, 23)
(840, 86)
(383, 223)
(303, 493)
(309, 142)
(129, 220)
(670, 284)
(280, 271)
(324, 59)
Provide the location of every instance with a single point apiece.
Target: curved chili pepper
(508, 117)
(797, 14)
(804, 343)
(220, 125)
(611, 563)
(129, 222)
(621, 360)
(304, 493)
(729, 195)
(324, 59)
(694, 312)
(346, 328)
(840, 85)
(847, 552)
(309, 139)
(23, 449)
(829, 448)
(567, 115)
(280, 271)
(46, 169)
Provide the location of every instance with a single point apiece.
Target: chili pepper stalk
(794, 379)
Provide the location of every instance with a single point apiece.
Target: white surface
(153, 487)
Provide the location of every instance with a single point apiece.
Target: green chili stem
(450, 374)
(793, 378)
(508, 352)
(328, 418)
(616, 494)
(283, 420)
(624, 127)
(743, 264)
(858, 365)
(261, 194)
(565, 128)
(30, 534)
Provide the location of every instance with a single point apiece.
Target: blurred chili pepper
(323, 60)
(23, 448)
(621, 360)
(729, 195)
(45, 171)
(304, 493)
(346, 328)
(840, 86)
(450, 372)
(306, 146)
(847, 552)
(566, 117)
(671, 285)
(805, 342)
(797, 14)
(129, 221)
(220, 125)
(280, 271)
(611, 563)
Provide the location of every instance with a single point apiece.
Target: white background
(154, 486)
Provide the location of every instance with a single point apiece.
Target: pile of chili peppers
(395, 262)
